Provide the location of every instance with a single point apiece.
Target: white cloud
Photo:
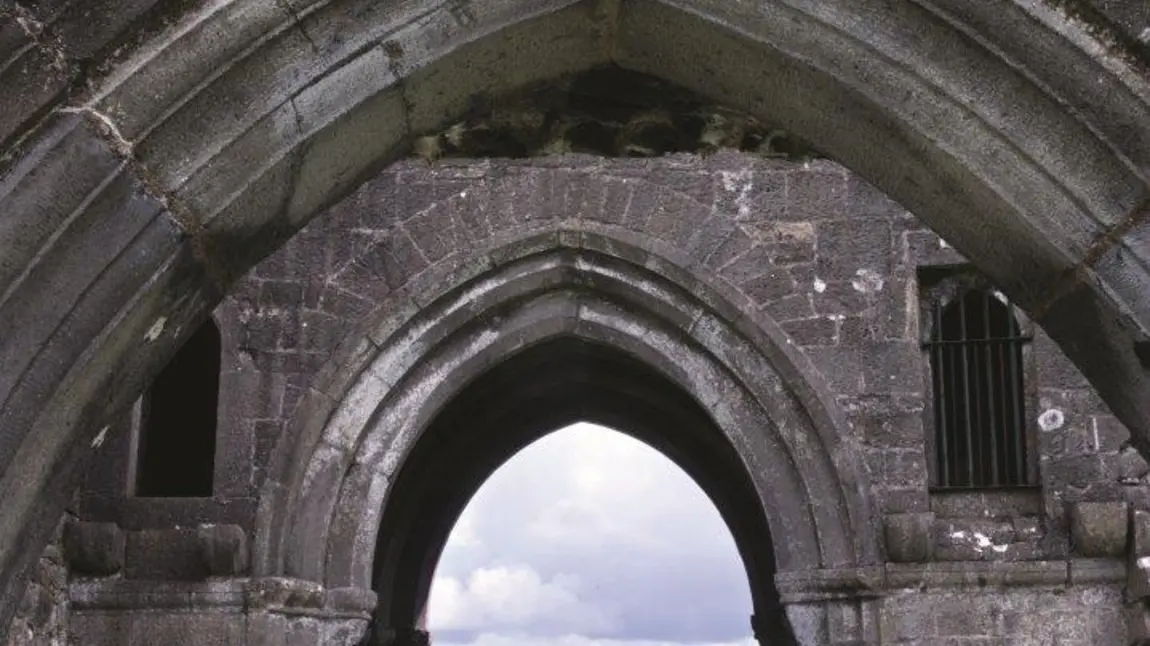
(590, 534)
(488, 639)
(513, 597)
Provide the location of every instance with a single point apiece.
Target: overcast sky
(590, 538)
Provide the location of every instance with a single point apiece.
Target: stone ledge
(273, 595)
(127, 594)
(895, 578)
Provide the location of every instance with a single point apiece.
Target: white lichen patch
(820, 285)
(981, 542)
(156, 330)
(1051, 420)
(867, 281)
(739, 182)
(100, 437)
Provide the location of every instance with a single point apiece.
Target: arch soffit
(372, 402)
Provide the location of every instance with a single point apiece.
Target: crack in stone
(607, 16)
(298, 117)
(182, 218)
(290, 10)
(34, 29)
(1114, 235)
(105, 124)
(1097, 250)
(394, 52)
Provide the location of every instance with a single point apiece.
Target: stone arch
(756, 408)
(1010, 127)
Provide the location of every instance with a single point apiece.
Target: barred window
(975, 347)
(176, 432)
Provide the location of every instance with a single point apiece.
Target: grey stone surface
(1099, 529)
(908, 537)
(291, 313)
(94, 548)
(44, 615)
(1139, 533)
(153, 152)
(224, 549)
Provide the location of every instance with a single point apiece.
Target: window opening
(177, 424)
(975, 348)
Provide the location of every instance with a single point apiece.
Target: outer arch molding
(331, 479)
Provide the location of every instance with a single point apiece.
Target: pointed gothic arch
(748, 420)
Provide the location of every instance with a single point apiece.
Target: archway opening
(542, 388)
(589, 536)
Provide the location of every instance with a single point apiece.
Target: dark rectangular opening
(177, 430)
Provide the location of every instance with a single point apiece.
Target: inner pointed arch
(517, 402)
(591, 532)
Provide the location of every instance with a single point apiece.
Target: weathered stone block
(908, 537)
(224, 549)
(1138, 624)
(165, 554)
(1098, 529)
(95, 549)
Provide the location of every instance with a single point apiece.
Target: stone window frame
(935, 282)
(143, 422)
(137, 422)
(108, 493)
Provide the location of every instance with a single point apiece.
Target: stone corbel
(908, 537)
(1138, 578)
(94, 549)
(1099, 529)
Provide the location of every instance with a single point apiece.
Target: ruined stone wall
(815, 248)
(42, 618)
(1023, 616)
(828, 257)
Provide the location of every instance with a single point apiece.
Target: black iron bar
(990, 390)
(1015, 352)
(936, 357)
(966, 394)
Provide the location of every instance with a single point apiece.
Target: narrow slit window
(976, 363)
(177, 427)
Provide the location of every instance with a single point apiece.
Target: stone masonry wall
(817, 248)
(1036, 616)
(42, 618)
(829, 258)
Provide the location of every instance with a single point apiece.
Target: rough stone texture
(94, 548)
(224, 549)
(908, 538)
(864, 336)
(152, 152)
(1099, 529)
(811, 246)
(1082, 616)
(43, 617)
(218, 613)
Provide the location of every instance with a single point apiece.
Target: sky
(590, 538)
